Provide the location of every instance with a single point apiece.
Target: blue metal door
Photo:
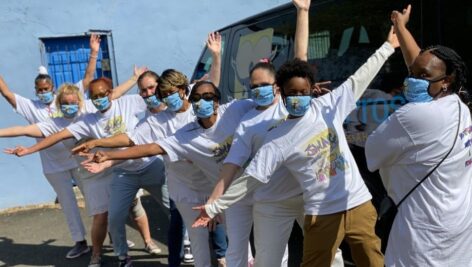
(67, 58)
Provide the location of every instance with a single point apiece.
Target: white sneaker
(188, 257)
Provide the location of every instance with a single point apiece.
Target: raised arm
(43, 144)
(214, 45)
(302, 30)
(408, 45)
(366, 73)
(31, 130)
(124, 87)
(92, 63)
(135, 152)
(6, 93)
(120, 140)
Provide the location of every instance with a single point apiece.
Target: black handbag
(388, 210)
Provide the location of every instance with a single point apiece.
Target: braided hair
(455, 67)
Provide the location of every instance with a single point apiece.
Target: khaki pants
(324, 233)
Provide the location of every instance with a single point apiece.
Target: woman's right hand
(83, 148)
(100, 156)
(19, 151)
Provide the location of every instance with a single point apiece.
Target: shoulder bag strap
(447, 155)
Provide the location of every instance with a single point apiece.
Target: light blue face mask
(102, 103)
(263, 95)
(203, 109)
(46, 98)
(70, 111)
(417, 90)
(152, 101)
(173, 102)
(297, 105)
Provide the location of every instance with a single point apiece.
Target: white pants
(238, 219)
(273, 223)
(96, 190)
(198, 236)
(61, 182)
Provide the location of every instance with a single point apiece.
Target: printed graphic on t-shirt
(220, 151)
(466, 137)
(329, 160)
(115, 126)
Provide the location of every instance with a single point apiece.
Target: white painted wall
(158, 34)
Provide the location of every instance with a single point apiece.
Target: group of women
(281, 156)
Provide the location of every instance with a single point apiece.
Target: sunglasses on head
(205, 96)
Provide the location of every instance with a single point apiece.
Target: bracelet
(91, 56)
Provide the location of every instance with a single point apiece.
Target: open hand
(214, 42)
(138, 71)
(203, 219)
(94, 167)
(94, 42)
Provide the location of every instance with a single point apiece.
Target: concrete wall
(155, 33)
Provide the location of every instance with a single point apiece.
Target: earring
(444, 89)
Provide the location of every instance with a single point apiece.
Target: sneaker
(95, 261)
(79, 249)
(188, 257)
(152, 248)
(221, 262)
(126, 262)
(130, 243)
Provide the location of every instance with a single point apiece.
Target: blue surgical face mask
(46, 98)
(297, 105)
(416, 90)
(102, 103)
(203, 109)
(263, 95)
(70, 111)
(152, 101)
(173, 102)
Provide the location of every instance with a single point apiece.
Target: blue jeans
(124, 186)
(218, 240)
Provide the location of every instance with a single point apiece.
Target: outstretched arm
(6, 93)
(227, 174)
(123, 88)
(92, 63)
(408, 45)
(135, 152)
(240, 187)
(31, 130)
(214, 45)
(120, 140)
(43, 144)
(302, 30)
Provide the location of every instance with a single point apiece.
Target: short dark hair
(265, 66)
(200, 83)
(294, 68)
(107, 81)
(43, 77)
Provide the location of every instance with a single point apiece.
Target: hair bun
(42, 70)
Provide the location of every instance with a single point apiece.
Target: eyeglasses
(205, 96)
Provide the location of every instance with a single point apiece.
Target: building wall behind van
(157, 34)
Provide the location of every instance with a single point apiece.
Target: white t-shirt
(207, 148)
(55, 158)
(315, 150)
(185, 182)
(433, 226)
(121, 117)
(249, 137)
(58, 124)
